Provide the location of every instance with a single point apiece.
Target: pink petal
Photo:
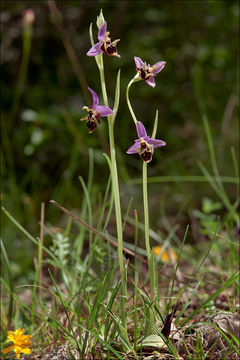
(95, 50)
(102, 32)
(156, 143)
(141, 131)
(150, 81)
(159, 66)
(94, 96)
(133, 148)
(103, 110)
(139, 63)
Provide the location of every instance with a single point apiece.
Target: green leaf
(152, 341)
(91, 35)
(155, 126)
(117, 96)
(123, 335)
(209, 206)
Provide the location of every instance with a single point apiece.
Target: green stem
(136, 278)
(136, 78)
(145, 204)
(150, 255)
(102, 78)
(115, 186)
(116, 193)
(148, 249)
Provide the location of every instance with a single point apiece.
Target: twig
(127, 251)
(76, 218)
(57, 18)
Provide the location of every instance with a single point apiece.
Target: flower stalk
(97, 52)
(115, 187)
(133, 80)
(146, 227)
(144, 146)
(151, 269)
(102, 79)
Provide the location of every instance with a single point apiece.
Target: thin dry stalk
(57, 18)
(114, 243)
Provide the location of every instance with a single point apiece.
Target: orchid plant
(107, 47)
(144, 145)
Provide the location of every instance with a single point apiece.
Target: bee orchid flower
(144, 145)
(95, 112)
(147, 72)
(105, 45)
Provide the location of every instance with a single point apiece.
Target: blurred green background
(45, 146)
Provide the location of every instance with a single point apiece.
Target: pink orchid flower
(105, 45)
(144, 145)
(147, 72)
(95, 112)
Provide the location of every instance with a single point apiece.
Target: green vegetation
(64, 278)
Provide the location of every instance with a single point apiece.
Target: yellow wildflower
(20, 341)
(167, 255)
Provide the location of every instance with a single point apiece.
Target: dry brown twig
(103, 236)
